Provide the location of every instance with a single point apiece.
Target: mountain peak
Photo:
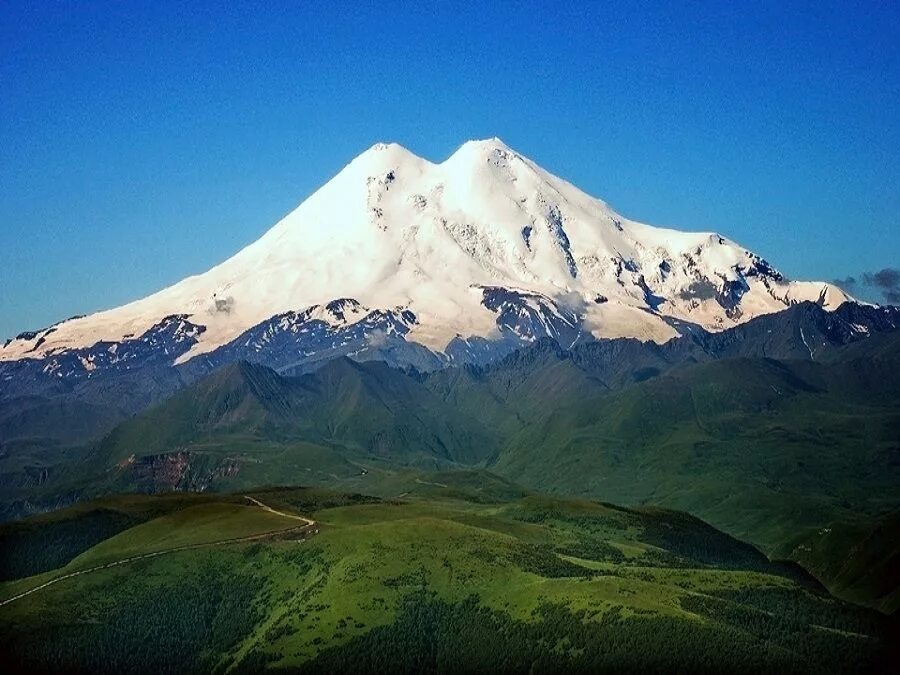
(483, 149)
(482, 240)
(382, 157)
(486, 144)
(386, 153)
(385, 148)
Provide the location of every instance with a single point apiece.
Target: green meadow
(462, 570)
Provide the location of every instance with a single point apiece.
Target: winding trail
(307, 523)
(264, 507)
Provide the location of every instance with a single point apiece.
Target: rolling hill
(469, 571)
(772, 451)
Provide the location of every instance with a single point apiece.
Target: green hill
(367, 407)
(474, 571)
(770, 451)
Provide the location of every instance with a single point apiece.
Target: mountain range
(742, 428)
(432, 263)
(418, 265)
(450, 418)
(483, 315)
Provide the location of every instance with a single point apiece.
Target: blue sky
(143, 142)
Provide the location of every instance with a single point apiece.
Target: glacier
(435, 261)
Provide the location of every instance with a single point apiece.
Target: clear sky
(143, 142)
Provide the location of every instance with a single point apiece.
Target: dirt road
(307, 523)
(294, 516)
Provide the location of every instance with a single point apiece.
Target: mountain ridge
(773, 451)
(485, 244)
(40, 399)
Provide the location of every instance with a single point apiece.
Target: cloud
(572, 302)
(888, 278)
(885, 283)
(376, 339)
(848, 283)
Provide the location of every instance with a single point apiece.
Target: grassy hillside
(368, 408)
(859, 557)
(51, 540)
(473, 571)
(770, 451)
(763, 449)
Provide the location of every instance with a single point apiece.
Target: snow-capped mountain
(396, 252)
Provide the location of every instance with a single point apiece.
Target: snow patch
(393, 230)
